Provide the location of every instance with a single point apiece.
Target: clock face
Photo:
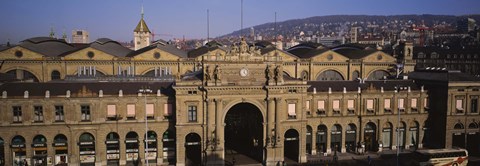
(244, 72)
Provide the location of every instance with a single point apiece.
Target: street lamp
(144, 92)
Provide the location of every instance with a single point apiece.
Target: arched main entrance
(291, 147)
(244, 134)
(193, 149)
(18, 150)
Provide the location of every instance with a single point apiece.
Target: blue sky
(116, 19)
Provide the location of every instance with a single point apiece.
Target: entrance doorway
(309, 140)
(370, 136)
(351, 137)
(336, 138)
(291, 147)
(243, 135)
(193, 149)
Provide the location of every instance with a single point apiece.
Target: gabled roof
(47, 46)
(111, 47)
(355, 54)
(210, 46)
(307, 50)
(170, 48)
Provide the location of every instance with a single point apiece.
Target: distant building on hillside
(466, 25)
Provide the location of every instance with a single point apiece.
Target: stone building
(83, 105)
(455, 116)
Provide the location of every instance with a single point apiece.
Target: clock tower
(141, 34)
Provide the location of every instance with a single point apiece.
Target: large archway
(291, 145)
(244, 134)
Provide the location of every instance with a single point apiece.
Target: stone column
(314, 140)
(270, 155)
(100, 148)
(210, 117)
(160, 149)
(329, 139)
(421, 132)
(141, 147)
(344, 138)
(123, 155)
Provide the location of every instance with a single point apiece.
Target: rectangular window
(85, 110)
(292, 111)
(321, 107)
(59, 113)
(112, 112)
(130, 111)
(370, 106)
(307, 105)
(167, 110)
(459, 106)
(192, 113)
(414, 105)
(401, 106)
(150, 111)
(387, 105)
(38, 113)
(17, 114)
(474, 105)
(336, 107)
(351, 106)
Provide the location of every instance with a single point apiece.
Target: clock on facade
(244, 72)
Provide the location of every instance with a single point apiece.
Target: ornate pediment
(243, 52)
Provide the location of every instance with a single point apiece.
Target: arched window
(355, 75)
(458, 126)
(55, 75)
(378, 75)
(330, 75)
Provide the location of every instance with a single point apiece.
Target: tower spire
(142, 11)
